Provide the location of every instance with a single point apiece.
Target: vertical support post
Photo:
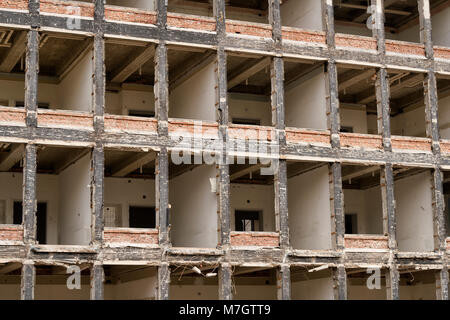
(31, 78)
(392, 283)
(163, 281)
(388, 204)
(97, 281)
(340, 283)
(29, 194)
(284, 282)
(162, 195)
(28, 281)
(439, 222)
(98, 100)
(337, 205)
(442, 284)
(225, 282)
(382, 89)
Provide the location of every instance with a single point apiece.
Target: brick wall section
(130, 15)
(191, 22)
(51, 118)
(128, 235)
(360, 42)
(367, 141)
(294, 135)
(250, 29)
(63, 7)
(405, 47)
(12, 116)
(448, 244)
(130, 124)
(411, 143)
(11, 232)
(14, 4)
(186, 127)
(363, 241)
(257, 239)
(442, 53)
(251, 132)
(295, 34)
(445, 146)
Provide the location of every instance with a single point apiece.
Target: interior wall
(196, 97)
(440, 34)
(362, 292)
(74, 205)
(421, 291)
(245, 106)
(141, 289)
(194, 208)
(13, 91)
(305, 14)
(305, 102)
(310, 210)
(444, 117)
(253, 197)
(409, 123)
(140, 4)
(314, 289)
(46, 191)
(355, 118)
(366, 204)
(126, 192)
(75, 90)
(414, 213)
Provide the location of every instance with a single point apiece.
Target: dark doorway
(247, 220)
(142, 217)
(351, 224)
(41, 223)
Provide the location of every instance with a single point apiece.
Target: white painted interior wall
(196, 97)
(310, 217)
(140, 4)
(305, 102)
(253, 197)
(14, 91)
(305, 14)
(126, 192)
(414, 213)
(440, 34)
(245, 106)
(362, 292)
(366, 204)
(74, 223)
(355, 118)
(314, 289)
(444, 117)
(411, 123)
(422, 291)
(194, 208)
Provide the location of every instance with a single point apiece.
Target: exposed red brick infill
(12, 116)
(11, 232)
(248, 132)
(411, 143)
(130, 124)
(442, 52)
(296, 34)
(448, 244)
(189, 127)
(128, 235)
(369, 141)
(258, 239)
(352, 41)
(249, 29)
(67, 8)
(191, 22)
(14, 4)
(60, 118)
(294, 135)
(130, 15)
(404, 47)
(445, 146)
(364, 241)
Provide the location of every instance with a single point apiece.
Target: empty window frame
(248, 220)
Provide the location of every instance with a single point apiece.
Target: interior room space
(130, 282)
(129, 189)
(305, 94)
(357, 99)
(194, 283)
(311, 283)
(192, 83)
(254, 283)
(130, 78)
(309, 205)
(446, 183)
(197, 7)
(10, 278)
(137, 4)
(417, 284)
(303, 14)
(193, 203)
(362, 200)
(255, 11)
(366, 284)
(252, 204)
(401, 18)
(440, 16)
(249, 90)
(414, 215)
(443, 87)
(64, 195)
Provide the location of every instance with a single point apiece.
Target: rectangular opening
(137, 4)
(142, 217)
(10, 274)
(366, 284)
(247, 10)
(258, 283)
(41, 219)
(194, 283)
(311, 283)
(417, 284)
(130, 282)
(248, 220)
(440, 15)
(443, 92)
(309, 205)
(414, 214)
(446, 183)
(197, 7)
(303, 14)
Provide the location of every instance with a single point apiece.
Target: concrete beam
(133, 163)
(133, 64)
(353, 77)
(70, 159)
(10, 267)
(14, 54)
(247, 71)
(13, 157)
(84, 47)
(245, 171)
